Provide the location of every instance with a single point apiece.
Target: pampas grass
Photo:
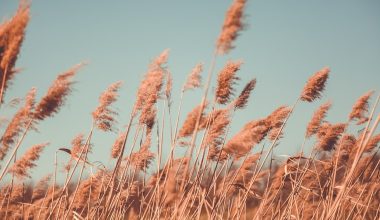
(56, 95)
(194, 79)
(189, 125)
(226, 80)
(21, 167)
(242, 99)
(18, 123)
(12, 35)
(251, 134)
(231, 175)
(315, 85)
(360, 109)
(318, 117)
(232, 25)
(103, 116)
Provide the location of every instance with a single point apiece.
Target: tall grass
(216, 178)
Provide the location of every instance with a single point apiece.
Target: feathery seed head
(226, 80)
(233, 24)
(169, 86)
(315, 85)
(191, 120)
(317, 119)
(251, 134)
(360, 108)
(194, 79)
(18, 123)
(372, 143)
(142, 158)
(218, 121)
(330, 138)
(41, 187)
(117, 146)
(12, 34)
(56, 95)
(242, 100)
(104, 116)
(276, 120)
(21, 167)
(149, 90)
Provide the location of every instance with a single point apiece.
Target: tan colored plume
(194, 79)
(188, 126)
(315, 85)
(332, 134)
(218, 121)
(276, 120)
(56, 95)
(360, 109)
(226, 79)
(250, 135)
(103, 115)
(242, 100)
(12, 33)
(18, 123)
(317, 119)
(233, 24)
(21, 167)
(117, 146)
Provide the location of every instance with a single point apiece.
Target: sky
(283, 44)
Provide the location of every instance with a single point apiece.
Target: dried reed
(227, 180)
(360, 108)
(103, 115)
(317, 119)
(232, 25)
(12, 34)
(226, 80)
(315, 85)
(56, 95)
(18, 123)
(21, 167)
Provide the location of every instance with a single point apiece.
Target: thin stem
(360, 151)
(267, 155)
(203, 103)
(15, 149)
(3, 84)
(87, 147)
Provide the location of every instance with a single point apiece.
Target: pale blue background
(284, 43)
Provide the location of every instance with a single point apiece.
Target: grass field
(216, 177)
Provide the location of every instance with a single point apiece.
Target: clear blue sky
(284, 43)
